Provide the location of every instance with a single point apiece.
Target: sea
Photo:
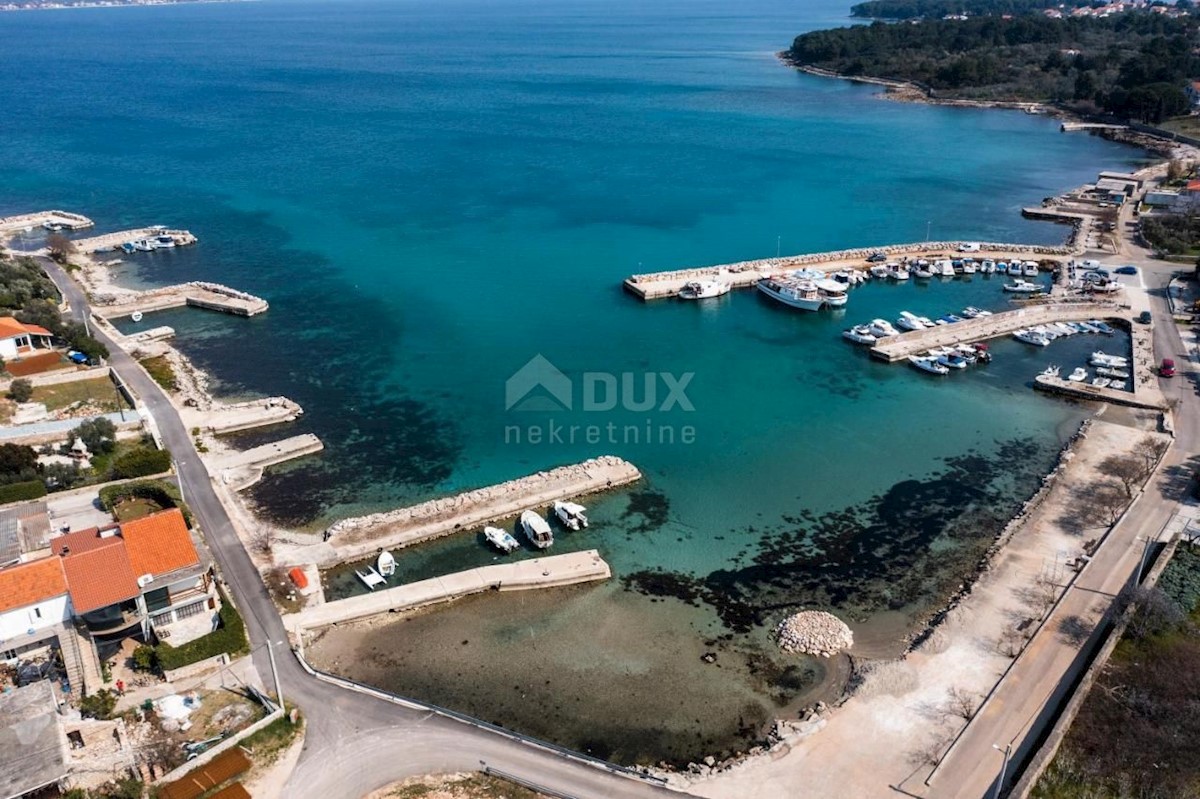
(440, 200)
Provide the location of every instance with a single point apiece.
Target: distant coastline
(53, 5)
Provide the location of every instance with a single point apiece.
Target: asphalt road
(354, 743)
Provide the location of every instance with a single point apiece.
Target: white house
(34, 604)
(18, 338)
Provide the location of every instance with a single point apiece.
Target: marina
(52, 221)
(545, 572)
(146, 239)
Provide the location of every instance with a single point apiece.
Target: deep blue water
(432, 193)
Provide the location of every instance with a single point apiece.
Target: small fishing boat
(952, 360)
(922, 271)
(162, 242)
(925, 320)
(136, 316)
(988, 267)
(1109, 371)
(949, 319)
(969, 267)
(859, 334)
(1023, 287)
(881, 328)
(1031, 269)
(500, 539)
(909, 321)
(1102, 327)
(1034, 337)
(1100, 358)
(971, 312)
(571, 514)
(703, 289)
(141, 245)
(1087, 327)
(928, 365)
(878, 270)
(1051, 371)
(370, 578)
(386, 563)
(897, 271)
(537, 530)
(1100, 382)
(982, 353)
(1078, 376)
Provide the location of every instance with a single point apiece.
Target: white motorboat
(802, 294)
(971, 312)
(1015, 269)
(832, 292)
(571, 514)
(162, 242)
(1101, 382)
(945, 268)
(859, 334)
(922, 271)
(988, 267)
(928, 365)
(502, 540)
(925, 320)
(878, 270)
(537, 530)
(1100, 358)
(1051, 371)
(1023, 287)
(881, 328)
(897, 271)
(136, 316)
(140, 245)
(1034, 337)
(1101, 326)
(386, 563)
(968, 352)
(1064, 329)
(1109, 371)
(1031, 269)
(969, 267)
(1078, 376)
(370, 578)
(704, 289)
(909, 321)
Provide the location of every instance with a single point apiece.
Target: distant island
(1135, 65)
(42, 5)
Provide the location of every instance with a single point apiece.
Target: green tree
(99, 435)
(20, 390)
(18, 463)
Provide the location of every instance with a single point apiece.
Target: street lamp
(1007, 750)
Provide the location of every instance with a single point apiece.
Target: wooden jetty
(744, 274)
(64, 220)
(107, 242)
(211, 296)
(896, 348)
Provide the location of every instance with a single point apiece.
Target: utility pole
(1007, 750)
(777, 241)
(928, 225)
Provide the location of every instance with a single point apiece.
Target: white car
(970, 246)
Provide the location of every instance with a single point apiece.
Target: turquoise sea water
(430, 194)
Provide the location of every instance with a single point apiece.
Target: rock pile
(814, 632)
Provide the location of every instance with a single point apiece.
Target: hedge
(229, 638)
(141, 463)
(17, 492)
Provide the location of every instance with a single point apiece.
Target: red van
(1167, 369)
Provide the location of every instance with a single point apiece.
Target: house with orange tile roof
(142, 578)
(34, 605)
(18, 339)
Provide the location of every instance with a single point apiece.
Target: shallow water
(431, 194)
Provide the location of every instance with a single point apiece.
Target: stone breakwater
(813, 632)
(364, 535)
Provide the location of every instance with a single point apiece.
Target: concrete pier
(106, 242)
(240, 470)
(896, 348)
(64, 219)
(1057, 385)
(743, 274)
(153, 334)
(521, 575)
(1068, 127)
(222, 419)
(210, 296)
(351, 539)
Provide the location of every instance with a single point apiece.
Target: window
(37, 613)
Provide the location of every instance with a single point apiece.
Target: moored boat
(1101, 358)
(1051, 371)
(1078, 376)
(704, 289)
(1034, 337)
(536, 529)
(1101, 326)
(501, 539)
(571, 514)
(952, 360)
(859, 334)
(1023, 287)
(881, 328)
(386, 563)
(928, 365)
(802, 294)
(370, 578)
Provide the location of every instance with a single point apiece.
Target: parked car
(1144, 317)
(74, 356)
(1167, 369)
(1129, 269)
(876, 258)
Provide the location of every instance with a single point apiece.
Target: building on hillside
(33, 745)
(34, 609)
(142, 578)
(18, 339)
(24, 533)
(1193, 93)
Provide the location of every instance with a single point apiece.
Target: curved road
(354, 743)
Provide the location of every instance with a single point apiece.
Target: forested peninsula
(913, 9)
(1133, 65)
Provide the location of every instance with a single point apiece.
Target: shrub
(18, 463)
(141, 463)
(99, 705)
(165, 495)
(17, 492)
(20, 390)
(229, 638)
(99, 435)
(144, 658)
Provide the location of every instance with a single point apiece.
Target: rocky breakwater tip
(814, 632)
